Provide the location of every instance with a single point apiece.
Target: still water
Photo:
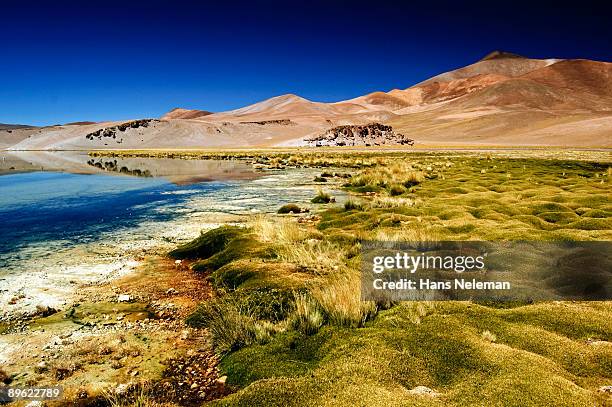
(66, 219)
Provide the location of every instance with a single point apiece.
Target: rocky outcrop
(113, 131)
(373, 134)
(281, 122)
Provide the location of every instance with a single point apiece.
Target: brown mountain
(178, 113)
(503, 99)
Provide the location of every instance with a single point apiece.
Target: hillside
(178, 113)
(503, 99)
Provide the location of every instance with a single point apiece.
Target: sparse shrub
(289, 208)
(321, 198)
(134, 395)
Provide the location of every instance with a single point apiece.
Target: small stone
(185, 334)
(194, 386)
(124, 298)
(606, 389)
(423, 390)
(41, 367)
(178, 261)
(121, 389)
(222, 380)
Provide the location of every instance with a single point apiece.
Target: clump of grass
(388, 202)
(321, 198)
(488, 336)
(318, 256)
(413, 178)
(307, 317)
(351, 205)
(281, 231)
(340, 300)
(413, 234)
(396, 190)
(231, 328)
(292, 244)
(266, 303)
(135, 395)
(320, 179)
(289, 208)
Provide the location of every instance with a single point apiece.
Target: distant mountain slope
(178, 113)
(503, 99)
(499, 63)
(4, 126)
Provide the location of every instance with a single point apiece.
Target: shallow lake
(67, 219)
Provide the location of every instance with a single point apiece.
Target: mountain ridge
(502, 99)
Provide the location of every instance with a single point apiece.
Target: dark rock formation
(283, 122)
(372, 134)
(112, 131)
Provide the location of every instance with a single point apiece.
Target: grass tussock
(352, 205)
(340, 300)
(307, 317)
(295, 245)
(141, 396)
(321, 198)
(289, 208)
(231, 327)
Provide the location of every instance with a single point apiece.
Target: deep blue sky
(68, 61)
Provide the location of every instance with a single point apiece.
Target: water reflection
(78, 162)
(112, 166)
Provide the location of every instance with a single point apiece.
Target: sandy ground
(102, 346)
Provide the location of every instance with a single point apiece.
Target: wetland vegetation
(275, 301)
(291, 329)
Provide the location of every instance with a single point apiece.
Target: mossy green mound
(208, 244)
(541, 356)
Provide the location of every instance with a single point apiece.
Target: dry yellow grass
(296, 245)
(340, 299)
